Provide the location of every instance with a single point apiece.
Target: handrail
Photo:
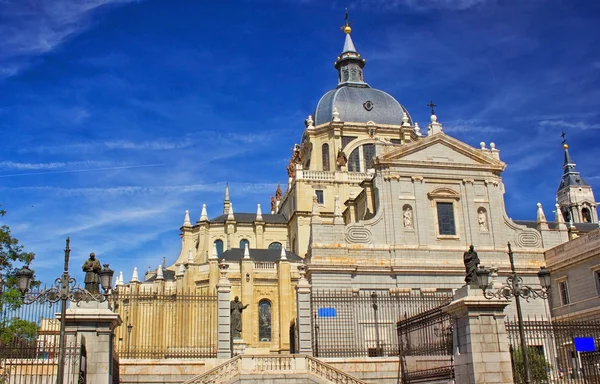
(259, 364)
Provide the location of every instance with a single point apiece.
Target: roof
(351, 103)
(570, 176)
(581, 227)
(273, 255)
(268, 218)
(167, 274)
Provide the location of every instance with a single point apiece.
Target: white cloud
(568, 124)
(33, 28)
(51, 165)
(158, 144)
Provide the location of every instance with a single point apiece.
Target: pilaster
(285, 304)
(223, 314)
(303, 314)
(247, 297)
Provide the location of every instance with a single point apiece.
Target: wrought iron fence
(350, 323)
(426, 334)
(557, 351)
(29, 344)
(157, 326)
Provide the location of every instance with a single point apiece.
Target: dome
(360, 104)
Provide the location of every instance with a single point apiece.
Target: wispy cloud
(421, 5)
(29, 29)
(568, 124)
(158, 144)
(81, 170)
(51, 165)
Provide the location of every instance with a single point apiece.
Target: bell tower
(575, 196)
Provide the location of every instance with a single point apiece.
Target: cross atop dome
(349, 63)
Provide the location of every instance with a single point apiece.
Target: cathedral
(372, 203)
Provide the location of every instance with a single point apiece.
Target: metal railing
(555, 351)
(363, 323)
(157, 326)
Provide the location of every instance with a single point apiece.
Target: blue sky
(117, 116)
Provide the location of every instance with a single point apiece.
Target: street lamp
(64, 290)
(375, 307)
(129, 329)
(514, 287)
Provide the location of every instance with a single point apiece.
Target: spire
(246, 252)
(134, 277)
(258, 213)
(159, 273)
(541, 218)
(120, 279)
(214, 255)
(203, 214)
(282, 255)
(186, 219)
(349, 63)
(226, 202)
(230, 213)
(570, 175)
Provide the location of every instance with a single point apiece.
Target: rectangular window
(346, 140)
(445, 212)
(320, 198)
(597, 277)
(564, 292)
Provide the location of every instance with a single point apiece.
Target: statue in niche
(408, 217)
(341, 160)
(273, 204)
(91, 267)
(278, 193)
(471, 260)
(482, 220)
(236, 308)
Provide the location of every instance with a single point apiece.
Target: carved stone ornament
(368, 105)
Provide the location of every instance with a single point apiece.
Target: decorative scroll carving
(529, 238)
(359, 235)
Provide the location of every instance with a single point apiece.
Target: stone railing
(279, 364)
(264, 265)
(352, 177)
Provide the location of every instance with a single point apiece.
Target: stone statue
(278, 193)
(341, 160)
(408, 218)
(291, 169)
(273, 204)
(236, 307)
(471, 262)
(482, 220)
(91, 268)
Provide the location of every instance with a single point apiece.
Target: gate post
(481, 349)
(223, 314)
(303, 315)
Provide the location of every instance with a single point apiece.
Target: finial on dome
(432, 106)
(246, 252)
(336, 114)
(159, 273)
(405, 122)
(346, 27)
(482, 145)
(417, 129)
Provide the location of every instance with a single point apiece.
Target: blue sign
(584, 344)
(327, 312)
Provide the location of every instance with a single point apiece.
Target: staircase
(275, 368)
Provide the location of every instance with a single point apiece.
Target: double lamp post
(64, 289)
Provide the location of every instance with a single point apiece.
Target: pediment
(443, 151)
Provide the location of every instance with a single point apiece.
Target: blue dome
(360, 104)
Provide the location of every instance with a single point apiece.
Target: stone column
(303, 314)
(481, 349)
(223, 315)
(92, 324)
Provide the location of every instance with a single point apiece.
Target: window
(597, 278)
(275, 245)
(564, 292)
(243, 243)
(585, 215)
(264, 320)
(346, 140)
(325, 156)
(396, 141)
(219, 245)
(445, 212)
(368, 154)
(354, 161)
(320, 198)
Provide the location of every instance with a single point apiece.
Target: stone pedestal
(480, 343)
(239, 347)
(224, 344)
(303, 315)
(92, 325)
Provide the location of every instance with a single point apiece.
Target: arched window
(243, 243)
(354, 161)
(325, 156)
(585, 215)
(275, 245)
(369, 154)
(264, 320)
(219, 245)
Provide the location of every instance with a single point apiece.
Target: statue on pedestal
(91, 268)
(236, 307)
(471, 260)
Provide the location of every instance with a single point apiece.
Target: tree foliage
(538, 366)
